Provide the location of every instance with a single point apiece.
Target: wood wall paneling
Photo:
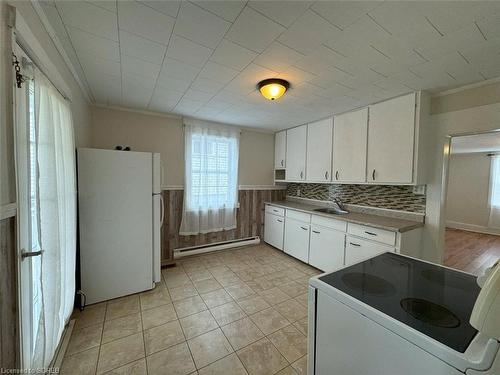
(8, 296)
(250, 220)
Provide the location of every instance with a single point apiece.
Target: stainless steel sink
(331, 211)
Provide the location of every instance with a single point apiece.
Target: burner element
(368, 284)
(429, 312)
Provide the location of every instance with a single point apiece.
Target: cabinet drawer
(297, 215)
(329, 223)
(275, 210)
(374, 234)
(357, 249)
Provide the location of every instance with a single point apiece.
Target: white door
(296, 153)
(357, 249)
(326, 248)
(280, 150)
(273, 230)
(319, 151)
(350, 133)
(27, 218)
(391, 134)
(297, 239)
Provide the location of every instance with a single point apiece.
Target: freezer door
(157, 223)
(116, 231)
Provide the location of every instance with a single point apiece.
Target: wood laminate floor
(469, 251)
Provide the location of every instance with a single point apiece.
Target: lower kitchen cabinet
(326, 248)
(357, 249)
(297, 239)
(274, 230)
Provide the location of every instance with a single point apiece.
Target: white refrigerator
(120, 216)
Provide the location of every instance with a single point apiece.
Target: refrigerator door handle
(162, 208)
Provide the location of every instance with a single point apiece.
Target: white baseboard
(472, 227)
(196, 250)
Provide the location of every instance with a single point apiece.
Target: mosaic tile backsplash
(399, 198)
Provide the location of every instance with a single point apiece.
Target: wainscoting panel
(8, 295)
(249, 220)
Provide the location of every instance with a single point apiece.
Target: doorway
(472, 206)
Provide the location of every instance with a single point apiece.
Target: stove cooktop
(434, 300)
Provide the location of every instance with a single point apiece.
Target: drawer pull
(326, 175)
(304, 228)
(315, 231)
(355, 244)
(371, 233)
(275, 210)
(279, 221)
(337, 175)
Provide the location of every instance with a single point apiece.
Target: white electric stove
(393, 315)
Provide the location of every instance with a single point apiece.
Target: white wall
(459, 121)
(163, 134)
(468, 187)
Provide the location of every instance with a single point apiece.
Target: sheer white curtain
(57, 215)
(494, 194)
(211, 178)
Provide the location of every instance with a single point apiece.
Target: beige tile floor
(242, 311)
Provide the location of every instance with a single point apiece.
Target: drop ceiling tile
(170, 7)
(278, 57)
(344, 13)
(296, 75)
(134, 92)
(254, 31)
(206, 112)
(483, 52)
(228, 10)
(187, 106)
(148, 72)
(188, 52)
(164, 100)
(247, 80)
(490, 69)
(309, 32)
(232, 55)
(173, 84)
(197, 95)
(206, 85)
(217, 72)
(106, 4)
(313, 63)
(178, 70)
(93, 65)
(490, 26)
(200, 26)
(217, 104)
(141, 48)
(144, 21)
(283, 12)
(89, 17)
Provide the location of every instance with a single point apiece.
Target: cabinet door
(319, 151)
(357, 249)
(296, 153)
(326, 248)
(391, 134)
(297, 239)
(279, 150)
(350, 133)
(273, 230)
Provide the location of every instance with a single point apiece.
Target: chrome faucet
(339, 204)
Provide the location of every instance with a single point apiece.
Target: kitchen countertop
(376, 221)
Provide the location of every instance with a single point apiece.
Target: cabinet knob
(373, 175)
(337, 175)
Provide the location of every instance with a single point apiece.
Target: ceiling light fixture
(273, 88)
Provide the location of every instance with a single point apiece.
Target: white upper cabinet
(280, 150)
(296, 153)
(319, 151)
(391, 138)
(350, 132)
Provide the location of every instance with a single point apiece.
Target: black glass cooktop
(431, 299)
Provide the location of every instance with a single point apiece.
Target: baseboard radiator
(224, 245)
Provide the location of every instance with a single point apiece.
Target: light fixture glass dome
(273, 88)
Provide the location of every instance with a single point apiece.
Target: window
(211, 179)
(494, 196)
